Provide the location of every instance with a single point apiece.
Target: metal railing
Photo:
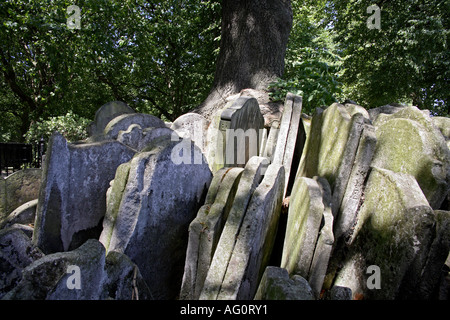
(14, 156)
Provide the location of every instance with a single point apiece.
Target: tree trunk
(253, 45)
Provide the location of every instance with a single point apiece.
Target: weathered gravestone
(255, 239)
(49, 278)
(72, 199)
(393, 233)
(290, 139)
(276, 285)
(443, 124)
(25, 214)
(16, 252)
(241, 125)
(205, 230)
(137, 138)
(305, 252)
(250, 179)
(151, 203)
(408, 142)
(17, 189)
(428, 285)
(124, 121)
(331, 147)
(82, 274)
(105, 114)
(192, 126)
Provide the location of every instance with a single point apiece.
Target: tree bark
(253, 44)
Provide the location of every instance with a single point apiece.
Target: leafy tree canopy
(159, 57)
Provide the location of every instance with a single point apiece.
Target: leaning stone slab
(72, 199)
(193, 126)
(276, 285)
(122, 279)
(243, 124)
(17, 189)
(105, 114)
(150, 206)
(325, 241)
(137, 138)
(25, 214)
(393, 232)
(256, 238)
(331, 146)
(346, 207)
(443, 124)
(55, 276)
(205, 230)
(289, 144)
(250, 179)
(123, 122)
(408, 142)
(428, 283)
(304, 218)
(16, 252)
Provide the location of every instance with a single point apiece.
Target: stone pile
(262, 202)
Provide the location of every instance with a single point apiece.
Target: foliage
(312, 63)
(71, 126)
(157, 56)
(406, 60)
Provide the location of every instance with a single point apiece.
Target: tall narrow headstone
(72, 199)
(242, 124)
(250, 179)
(156, 201)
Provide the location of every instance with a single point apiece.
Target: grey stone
(271, 142)
(139, 139)
(256, 238)
(124, 121)
(243, 124)
(306, 210)
(425, 287)
(17, 189)
(250, 179)
(16, 252)
(408, 142)
(276, 285)
(347, 207)
(340, 293)
(331, 147)
(193, 126)
(386, 109)
(288, 137)
(205, 230)
(27, 229)
(153, 201)
(443, 124)
(394, 231)
(25, 214)
(122, 279)
(105, 114)
(215, 142)
(72, 200)
(325, 241)
(48, 277)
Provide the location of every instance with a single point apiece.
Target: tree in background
(312, 59)
(254, 34)
(156, 56)
(405, 60)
